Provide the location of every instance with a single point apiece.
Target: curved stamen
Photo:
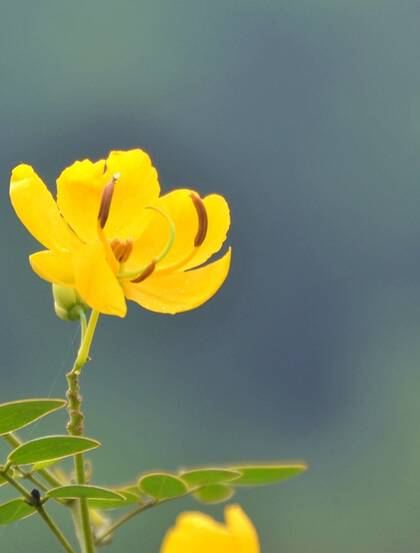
(199, 237)
(203, 221)
(103, 215)
(106, 200)
(144, 272)
(147, 272)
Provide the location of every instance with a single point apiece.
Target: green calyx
(68, 305)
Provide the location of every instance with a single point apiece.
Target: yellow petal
(79, 190)
(179, 206)
(96, 283)
(137, 187)
(176, 292)
(197, 522)
(55, 267)
(240, 526)
(80, 186)
(37, 209)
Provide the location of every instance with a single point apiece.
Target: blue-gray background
(306, 116)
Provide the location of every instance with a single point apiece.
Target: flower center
(122, 249)
(118, 251)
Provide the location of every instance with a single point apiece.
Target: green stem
(83, 321)
(28, 476)
(140, 509)
(41, 511)
(88, 333)
(75, 425)
(17, 485)
(54, 529)
(84, 508)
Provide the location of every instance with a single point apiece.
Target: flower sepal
(68, 305)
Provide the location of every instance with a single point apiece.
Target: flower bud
(67, 303)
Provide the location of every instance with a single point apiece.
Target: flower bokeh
(196, 532)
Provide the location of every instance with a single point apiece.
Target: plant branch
(40, 509)
(33, 479)
(125, 518)
(140, 509)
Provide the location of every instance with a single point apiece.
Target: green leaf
(161, 485)
(17, 414)
(200, 477)
(78, 491)
(216, 493)
(126, 500)
(15, 510)
(49, 448)
(257, 475)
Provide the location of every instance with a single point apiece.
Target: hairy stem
(75, 425)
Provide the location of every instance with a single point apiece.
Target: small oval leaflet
(201, 477)
(15, 510)
(161, 485)
(79, 490)
(49, 448)
(259, 475)
(215, 493)
(17, 414)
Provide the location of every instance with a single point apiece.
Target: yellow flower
(111, 236)
(199, 533)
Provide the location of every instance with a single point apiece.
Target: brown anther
(147, 272)
(106, 199)
(202, 219)
(122, 249)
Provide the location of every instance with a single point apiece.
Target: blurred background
(306, 116)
